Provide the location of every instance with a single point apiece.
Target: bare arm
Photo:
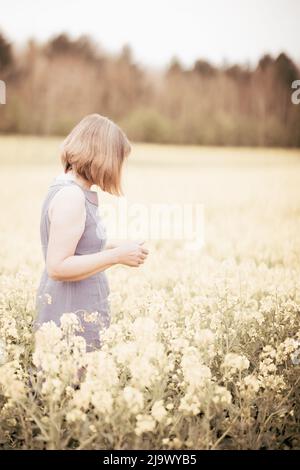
(111, 244)
(67, 221)
(114, 244)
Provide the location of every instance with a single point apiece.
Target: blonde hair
(95, 149)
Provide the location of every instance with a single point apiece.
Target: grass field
(203, 348)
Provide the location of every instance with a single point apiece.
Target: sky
(158, 30)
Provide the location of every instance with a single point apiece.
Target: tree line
(51, 85)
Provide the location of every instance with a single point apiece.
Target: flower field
(203, 351)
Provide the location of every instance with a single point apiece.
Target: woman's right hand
(131, 253)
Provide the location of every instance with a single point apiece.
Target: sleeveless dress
(87, 298)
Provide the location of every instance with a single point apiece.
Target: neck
(81, 181)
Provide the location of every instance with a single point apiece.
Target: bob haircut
(95, 149)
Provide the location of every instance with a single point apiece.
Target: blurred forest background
(50, 86)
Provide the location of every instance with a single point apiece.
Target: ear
(64, 159)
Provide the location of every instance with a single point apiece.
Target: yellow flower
(134, 399)
(158, 411)
(235, 362)
(144, 423)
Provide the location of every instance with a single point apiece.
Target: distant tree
(60, 44)
(126, 54)
(86, 47)
(58, 82)
(6, 56)
(265, 62)
(285, 69)
(175, 66)
(204, 68)
(63, 45)
(237, 72)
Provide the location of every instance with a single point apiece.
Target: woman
(72, 234)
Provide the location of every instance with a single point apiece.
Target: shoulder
(68, 202)
(70, 193)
